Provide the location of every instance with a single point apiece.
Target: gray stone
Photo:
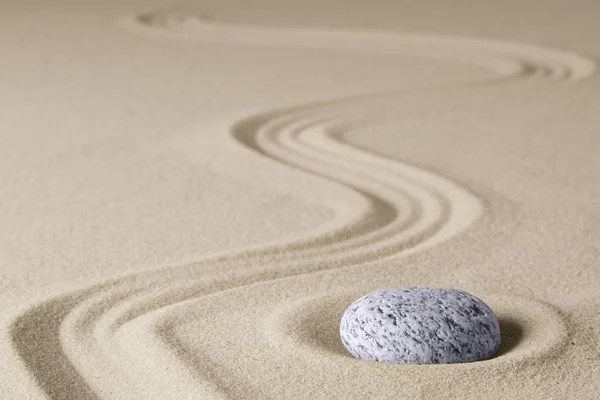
(420, 326)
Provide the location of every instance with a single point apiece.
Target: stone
(420, 326)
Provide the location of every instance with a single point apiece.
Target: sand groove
(131, 325)
(505, 58)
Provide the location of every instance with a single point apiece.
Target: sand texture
(192, 194)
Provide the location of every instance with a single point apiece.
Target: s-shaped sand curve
(390, 209)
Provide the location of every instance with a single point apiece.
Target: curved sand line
(91, 323)
(505, 58)
(396, 209)
(298, 333)
(302, 324)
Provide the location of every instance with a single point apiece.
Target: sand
(192, 194)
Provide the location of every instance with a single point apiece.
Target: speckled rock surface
(420, 326)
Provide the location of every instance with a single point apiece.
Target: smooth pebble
(420, 326)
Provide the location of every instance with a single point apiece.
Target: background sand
(192, 194)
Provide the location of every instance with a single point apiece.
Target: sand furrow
(139, 323)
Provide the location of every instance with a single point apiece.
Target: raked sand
(192, 194)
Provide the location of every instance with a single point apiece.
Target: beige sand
(192, 194)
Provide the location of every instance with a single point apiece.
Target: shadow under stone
(511, 334)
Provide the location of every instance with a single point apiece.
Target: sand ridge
(272, 303)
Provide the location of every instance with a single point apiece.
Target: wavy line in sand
(505, 58)
(396, 209)
(423, 209)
